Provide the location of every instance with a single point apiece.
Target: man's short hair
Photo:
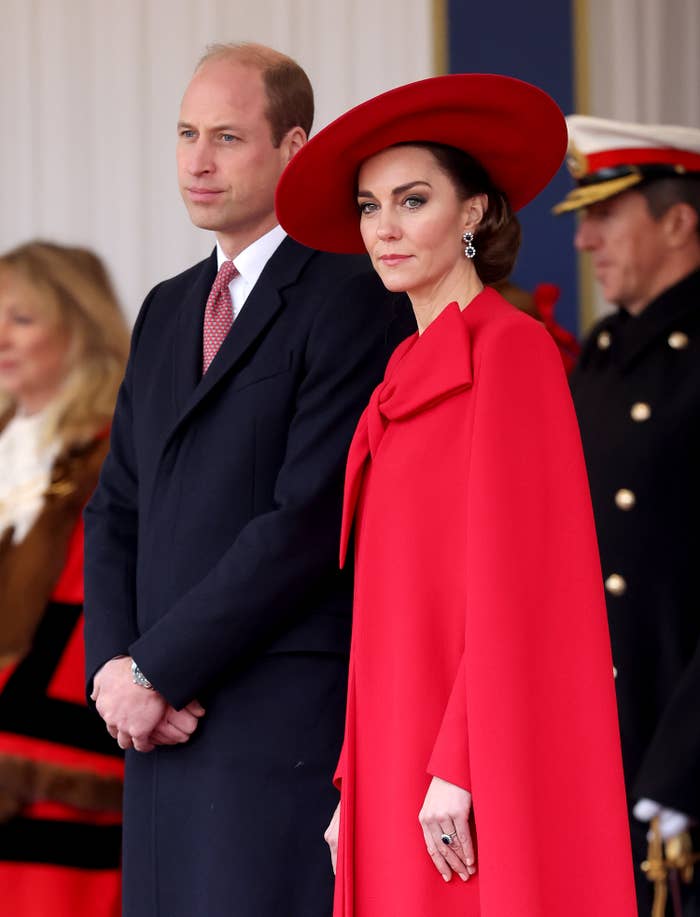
(662, 193)
(290, 97)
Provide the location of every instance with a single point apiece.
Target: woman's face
(33, 345)
(412, 220)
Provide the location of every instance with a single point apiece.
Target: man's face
(627, 247)
(227, 165)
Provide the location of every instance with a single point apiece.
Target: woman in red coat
(63, 345)
(480, 773)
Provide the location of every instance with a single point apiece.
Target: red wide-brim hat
(513, 129)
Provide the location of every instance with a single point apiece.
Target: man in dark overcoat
(217, 621)
(637, 395)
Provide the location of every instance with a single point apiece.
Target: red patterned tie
(218, 314)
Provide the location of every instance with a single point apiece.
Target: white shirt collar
(249, 264)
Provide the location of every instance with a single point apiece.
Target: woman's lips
(391, 260)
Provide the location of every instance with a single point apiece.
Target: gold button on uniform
(678, 340)
(640, 411)
(604, 340)
(625, 499)
(615, 584)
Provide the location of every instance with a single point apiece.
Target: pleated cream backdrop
(644, 60)
(89, 96)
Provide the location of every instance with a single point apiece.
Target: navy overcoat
(637, 396)
(212, 559)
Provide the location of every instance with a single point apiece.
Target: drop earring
(468, 239)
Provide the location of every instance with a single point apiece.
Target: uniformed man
(637, 394)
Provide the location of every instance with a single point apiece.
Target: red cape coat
(480, 648)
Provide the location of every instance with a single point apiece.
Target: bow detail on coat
(422, 372)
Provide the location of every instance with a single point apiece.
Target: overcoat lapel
(187, 343)
(261, 306)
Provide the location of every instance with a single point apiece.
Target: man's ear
(680, 224)
(292, 142)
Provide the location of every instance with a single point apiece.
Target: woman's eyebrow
(398, 190)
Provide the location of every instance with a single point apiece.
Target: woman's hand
(331, 836)
(446, 811)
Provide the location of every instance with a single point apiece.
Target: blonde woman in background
(63, 347)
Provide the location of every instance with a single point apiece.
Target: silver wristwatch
(138, 677)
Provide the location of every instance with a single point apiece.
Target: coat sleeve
(670, 770)
(111, 531)
(278, 560)
(450, 755)
(536, 684)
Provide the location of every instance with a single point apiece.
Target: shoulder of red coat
(506, 333)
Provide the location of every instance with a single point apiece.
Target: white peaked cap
(607, 157)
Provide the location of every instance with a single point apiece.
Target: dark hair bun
(497, 240)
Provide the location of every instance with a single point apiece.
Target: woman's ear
(473, 211)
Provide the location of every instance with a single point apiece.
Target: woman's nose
(387, 227)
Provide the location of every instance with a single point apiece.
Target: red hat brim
(514, 130)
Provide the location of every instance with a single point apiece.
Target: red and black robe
(60, 772)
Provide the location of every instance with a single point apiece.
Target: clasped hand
(138, 717)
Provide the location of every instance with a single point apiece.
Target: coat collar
(631, 336)
(187, 342)
(423, 372)
(261, 306)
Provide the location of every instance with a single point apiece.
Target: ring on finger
(448, 838)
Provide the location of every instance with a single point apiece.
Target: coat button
(640, 411)
(604, 340)
(625, 499)
(615, 584)
(614, 672)
(678, 340)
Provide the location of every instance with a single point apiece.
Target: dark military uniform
(637, 395)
